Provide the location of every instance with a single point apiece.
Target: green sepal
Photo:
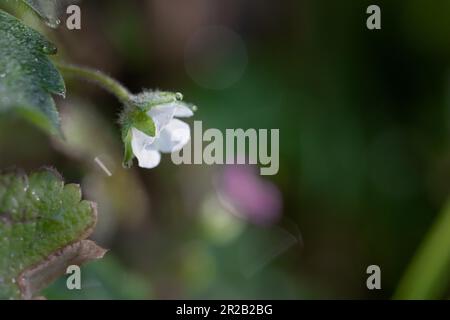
(149, 99)
(144, 123)
(128, 155)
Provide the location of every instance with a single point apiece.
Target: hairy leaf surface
(43, 224)
(27, 76)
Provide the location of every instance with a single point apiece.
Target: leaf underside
(43, 227)
(27, 76)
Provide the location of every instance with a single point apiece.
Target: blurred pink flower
(250, 196)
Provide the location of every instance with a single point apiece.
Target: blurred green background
(364, 144)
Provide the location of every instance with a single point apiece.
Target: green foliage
(113, 281)
(423, 278)
(42, 226)
(48, 9)
(27, 76)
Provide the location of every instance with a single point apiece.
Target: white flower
(171, 134)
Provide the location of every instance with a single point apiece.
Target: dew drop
(36, 197)
(62, 93)
(53, 23)
(178, 96)
(49, 49)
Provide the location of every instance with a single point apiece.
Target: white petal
(143, 149)
(174, 137)
(139, 139)
(182, 110)
(149, 158)
(162, 115)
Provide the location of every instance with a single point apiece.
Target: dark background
(364, 158)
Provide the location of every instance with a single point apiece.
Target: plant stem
(105, 81)
(428, 275)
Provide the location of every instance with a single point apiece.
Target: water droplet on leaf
(53, 23)
(49, 49)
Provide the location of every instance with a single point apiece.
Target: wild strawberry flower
(154, 128)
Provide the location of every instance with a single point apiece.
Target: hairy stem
(105, 81)
(428, 275)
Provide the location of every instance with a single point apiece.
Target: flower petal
(149, 158)
(162, 115)
(182, 110)
(139, 139)
(144, 149)
(174, 137)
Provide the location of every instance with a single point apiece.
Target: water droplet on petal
(179, 96)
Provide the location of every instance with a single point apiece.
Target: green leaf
(43, 224)
(49, 10)
(425, 277)
(27, 76)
